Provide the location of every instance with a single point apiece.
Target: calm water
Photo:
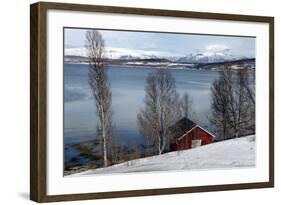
(127, 99)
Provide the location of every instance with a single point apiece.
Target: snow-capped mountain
(132, 54)
(209, 57)
(121, 53)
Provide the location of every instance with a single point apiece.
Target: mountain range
(123, 54)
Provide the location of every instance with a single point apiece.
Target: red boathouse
(190, 135)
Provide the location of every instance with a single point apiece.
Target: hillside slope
(226, 154)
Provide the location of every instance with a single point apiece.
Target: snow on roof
(193, 129)
(207, 131)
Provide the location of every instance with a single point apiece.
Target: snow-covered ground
(232, 153)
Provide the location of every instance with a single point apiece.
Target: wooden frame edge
(33, 102)
(38, 177)
(154, 12)
(37, 102)
(155, 192)
(271, 100)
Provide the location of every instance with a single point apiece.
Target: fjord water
(127, 84)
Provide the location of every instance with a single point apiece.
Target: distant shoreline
(235, 65)
(178, 67)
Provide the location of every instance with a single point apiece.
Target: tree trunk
(224, 132)
(104, 140)
(159, 145)
(104, 153)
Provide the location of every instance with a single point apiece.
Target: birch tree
(161, 108)
(241, 110)
(219, 105)
(186, 106)
(232, 108)
(100, 87)
(249, 89)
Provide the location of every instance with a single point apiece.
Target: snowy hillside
(226, 154)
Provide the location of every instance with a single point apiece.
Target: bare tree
(100, 86)
(249, 89)
(186, 106)
(146, 130)
(232, 108)
(220, 103)
(240, 109)
(161, 108)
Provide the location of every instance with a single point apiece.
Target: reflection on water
(127, 85)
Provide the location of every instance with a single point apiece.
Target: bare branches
(161, 108)
(186, 106)
(100, 86)
(232, 107)
(95, 46)
(250, 90)
(220, 103)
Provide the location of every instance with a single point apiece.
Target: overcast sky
(176, 44)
